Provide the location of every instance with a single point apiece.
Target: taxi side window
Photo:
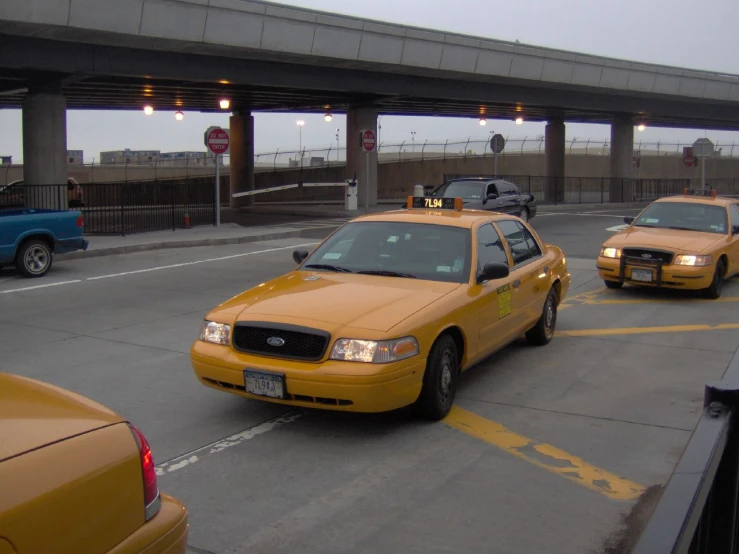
(505, 189)
(492, 190)
(735, 216)
(489, 247)
(521, 242)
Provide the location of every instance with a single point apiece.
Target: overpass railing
(698, 512)
(122, 208)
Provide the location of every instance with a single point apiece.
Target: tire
(714, 291)
(439, 380)
(33, 258)
(542, 333)
(613, 284)
(524, 214)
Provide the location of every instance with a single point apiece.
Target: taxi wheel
(439, 380)
(714, 291)
(613, 284)
(543, 332)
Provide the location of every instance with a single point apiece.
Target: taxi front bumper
(331, 385)
(655, 274)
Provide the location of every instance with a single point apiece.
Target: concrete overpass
(187, 54)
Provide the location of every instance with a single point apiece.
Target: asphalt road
(547, 451)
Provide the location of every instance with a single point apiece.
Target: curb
(113, 250)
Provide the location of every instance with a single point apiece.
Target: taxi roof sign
(699, 192)
(435, 203)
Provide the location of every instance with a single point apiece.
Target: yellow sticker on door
(504, 301)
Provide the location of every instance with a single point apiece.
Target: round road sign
(689, 160)
(218, 141)
(368, 140)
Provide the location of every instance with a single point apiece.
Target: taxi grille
(648, 255)
(280, 340)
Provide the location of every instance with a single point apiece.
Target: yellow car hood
(669, 239)
(34, 414)
(346, 300)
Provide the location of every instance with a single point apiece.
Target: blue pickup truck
(29, 238)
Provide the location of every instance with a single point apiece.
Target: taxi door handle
(516, 283)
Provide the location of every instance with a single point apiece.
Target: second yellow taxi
(387, 311)
(689, 241)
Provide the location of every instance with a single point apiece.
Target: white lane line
(617, 228)
(266, 251)
(199, 454)
(584, 214)
(41, 286)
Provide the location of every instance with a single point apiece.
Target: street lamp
(413, 140)
(148, 110)
(328, 117)
(225, 103)
(483, 121)
(338, 147)
(641, 127)
(300, 123)
(179, 116)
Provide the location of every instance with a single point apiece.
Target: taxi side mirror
(493, 271)
(628, 219)
(492, 196)
(299, 255)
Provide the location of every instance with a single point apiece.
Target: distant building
(187, 158)
(129, 156)
(75, 157)
(6, 160)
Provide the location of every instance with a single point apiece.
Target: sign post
(367, 137)
(218, 141)
(497, 144)
(703, 148)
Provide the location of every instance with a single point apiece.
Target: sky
(684, 33)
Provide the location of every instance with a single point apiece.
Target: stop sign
(368, 140)
(689, 160)
(217, 141)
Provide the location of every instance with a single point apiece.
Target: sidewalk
(240, 227)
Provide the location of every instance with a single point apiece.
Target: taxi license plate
(264, 384)
(643, 275)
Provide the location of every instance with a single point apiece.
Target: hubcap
(445, 381)
(549, 317)
(36, 259)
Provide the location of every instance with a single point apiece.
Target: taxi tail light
(80, 221)
(152, 500)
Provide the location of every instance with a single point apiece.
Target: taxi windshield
(461, 189)
(686, 216)
(396, 249)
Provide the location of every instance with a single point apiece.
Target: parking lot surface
(547, 449)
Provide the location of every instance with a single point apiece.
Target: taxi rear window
(417, 250)
(686, 216)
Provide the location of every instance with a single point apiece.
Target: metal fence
(698, 512)
(601, 190)
(123, 208)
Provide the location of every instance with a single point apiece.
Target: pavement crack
(558, 412)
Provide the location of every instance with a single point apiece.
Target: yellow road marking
(626, 301)
(544, 455)
(643, 330)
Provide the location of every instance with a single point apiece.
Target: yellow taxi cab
(76, 478)
(689, 241)
(387, 311)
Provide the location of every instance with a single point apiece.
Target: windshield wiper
(682, 228)
(643, 225)
(387, 273)
(329, 267)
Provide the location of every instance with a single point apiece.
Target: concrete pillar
(622, 152)
(358, 162)
(554, 149)
(241, 131)
(44, 123)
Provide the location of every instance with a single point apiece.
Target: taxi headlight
(684, 259)
(376, 352)
(610, 252)
(218, 333)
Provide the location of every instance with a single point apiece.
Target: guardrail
(122, 208)
(698, 512)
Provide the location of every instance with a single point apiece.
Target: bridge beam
(554, 150)
(622, 152)
(241, 179)
(359, 164)
(44, 123)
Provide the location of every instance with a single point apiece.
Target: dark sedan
(484, 193)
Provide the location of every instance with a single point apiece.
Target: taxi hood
(339, 299)
(34, 414)
(692, 242)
